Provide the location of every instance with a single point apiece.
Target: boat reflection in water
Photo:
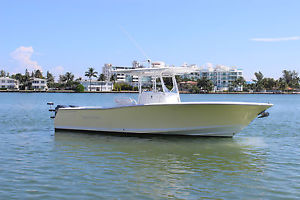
(163, 166)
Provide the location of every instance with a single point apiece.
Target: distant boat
(160, 111)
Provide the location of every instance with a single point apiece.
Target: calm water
(263, 161)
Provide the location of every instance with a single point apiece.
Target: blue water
(261, 162)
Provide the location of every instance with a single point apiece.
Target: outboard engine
(55, 110)
(51, 109)
(263, 114)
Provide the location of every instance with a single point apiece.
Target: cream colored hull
(205, 119)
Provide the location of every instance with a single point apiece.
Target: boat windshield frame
(155, 73)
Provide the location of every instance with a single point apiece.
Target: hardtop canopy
(156, 72)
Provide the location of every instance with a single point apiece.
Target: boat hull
(201, 119)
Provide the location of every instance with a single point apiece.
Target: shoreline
(63, 91)
(113, 92)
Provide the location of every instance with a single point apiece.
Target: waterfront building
(9, 83)
(39, 84)
(221, 76)
(119, 77)
(104, 86)
(107, 70)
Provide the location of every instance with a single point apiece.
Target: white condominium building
(221, 76)
(9, 83)
(94, 85)
(107, 71)
(132, 80)
(39, 84)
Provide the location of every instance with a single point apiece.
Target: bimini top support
(155, 96)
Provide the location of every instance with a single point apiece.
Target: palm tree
(291, 78)
(258, 82)
(26, 80)
(2, 73)
(239, 82)
(68, 77)
(91, 73)
(38, 74)
(50, 77)
(102, 77)
(205, 84)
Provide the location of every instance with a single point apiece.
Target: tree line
(66, 81)
(289, 81)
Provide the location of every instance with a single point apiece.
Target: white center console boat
(160, 111)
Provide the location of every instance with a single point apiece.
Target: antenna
(134, 42)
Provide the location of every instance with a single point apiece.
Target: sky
(71, 35)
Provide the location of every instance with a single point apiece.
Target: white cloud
(23, 56)
(275, 39)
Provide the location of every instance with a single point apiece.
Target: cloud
(275, 39)
(22, 55)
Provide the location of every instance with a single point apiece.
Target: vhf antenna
(136, 45)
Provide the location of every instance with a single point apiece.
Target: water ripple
(262, 162)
